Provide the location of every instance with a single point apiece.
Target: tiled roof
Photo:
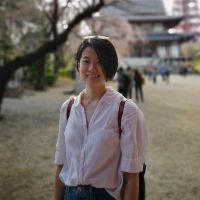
(129, 8)
(142, 11)
(164, 37)
(142, 7)
(169, 21)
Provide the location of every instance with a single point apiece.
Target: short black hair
(106, 54)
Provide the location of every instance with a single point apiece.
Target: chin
(97, 85)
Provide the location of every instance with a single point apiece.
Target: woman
(93, 162)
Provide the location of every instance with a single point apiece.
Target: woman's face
(90, 68)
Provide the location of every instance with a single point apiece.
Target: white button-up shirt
(95, 154)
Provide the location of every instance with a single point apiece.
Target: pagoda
(160, 46)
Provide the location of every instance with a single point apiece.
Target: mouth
(92, 76)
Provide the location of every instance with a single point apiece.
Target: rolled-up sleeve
(60, 154)
(133, 139)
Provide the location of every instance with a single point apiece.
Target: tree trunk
(58, 61)
(56, 64)
(41, 83)
(5, 76)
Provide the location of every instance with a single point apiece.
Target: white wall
(174, 50)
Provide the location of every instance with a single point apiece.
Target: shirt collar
(108, 97)
(77, 100)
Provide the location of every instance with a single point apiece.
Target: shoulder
(112, 95)
(66, 103)
(131, 109)
(130, 104)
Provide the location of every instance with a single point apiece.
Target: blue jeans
(86, 192)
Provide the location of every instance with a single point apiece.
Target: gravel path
(172, 111)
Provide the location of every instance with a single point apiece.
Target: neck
(95, 94)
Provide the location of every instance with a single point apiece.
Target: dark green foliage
(50, 77)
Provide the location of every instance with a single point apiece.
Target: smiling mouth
(93, 76)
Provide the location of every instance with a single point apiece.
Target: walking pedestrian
(130, 75)
(154, 75)
(139, 81)
(96, 159)
(123, 82)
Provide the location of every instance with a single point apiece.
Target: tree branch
(51, 46)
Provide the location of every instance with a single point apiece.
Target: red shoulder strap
(69, 107)
(120, 112)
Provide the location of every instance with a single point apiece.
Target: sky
(169, 4)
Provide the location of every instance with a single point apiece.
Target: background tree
(25, 32)
(55, 14)
(76, 12)
(189, 49)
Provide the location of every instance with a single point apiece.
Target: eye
(86, 61)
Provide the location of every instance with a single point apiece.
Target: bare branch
(46, 14)
(51, 46)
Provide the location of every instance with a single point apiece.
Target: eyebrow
(86, 57)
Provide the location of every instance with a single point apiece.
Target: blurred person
(154, 75)
(94, 161)
(167, 74)
(123, 82)
(130, 75)
(139, 81)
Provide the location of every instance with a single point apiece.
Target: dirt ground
(28, 135)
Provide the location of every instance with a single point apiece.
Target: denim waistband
(88, 192)
(83, 187)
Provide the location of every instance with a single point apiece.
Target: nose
(93, 67)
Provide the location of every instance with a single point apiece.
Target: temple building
(158, 45)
